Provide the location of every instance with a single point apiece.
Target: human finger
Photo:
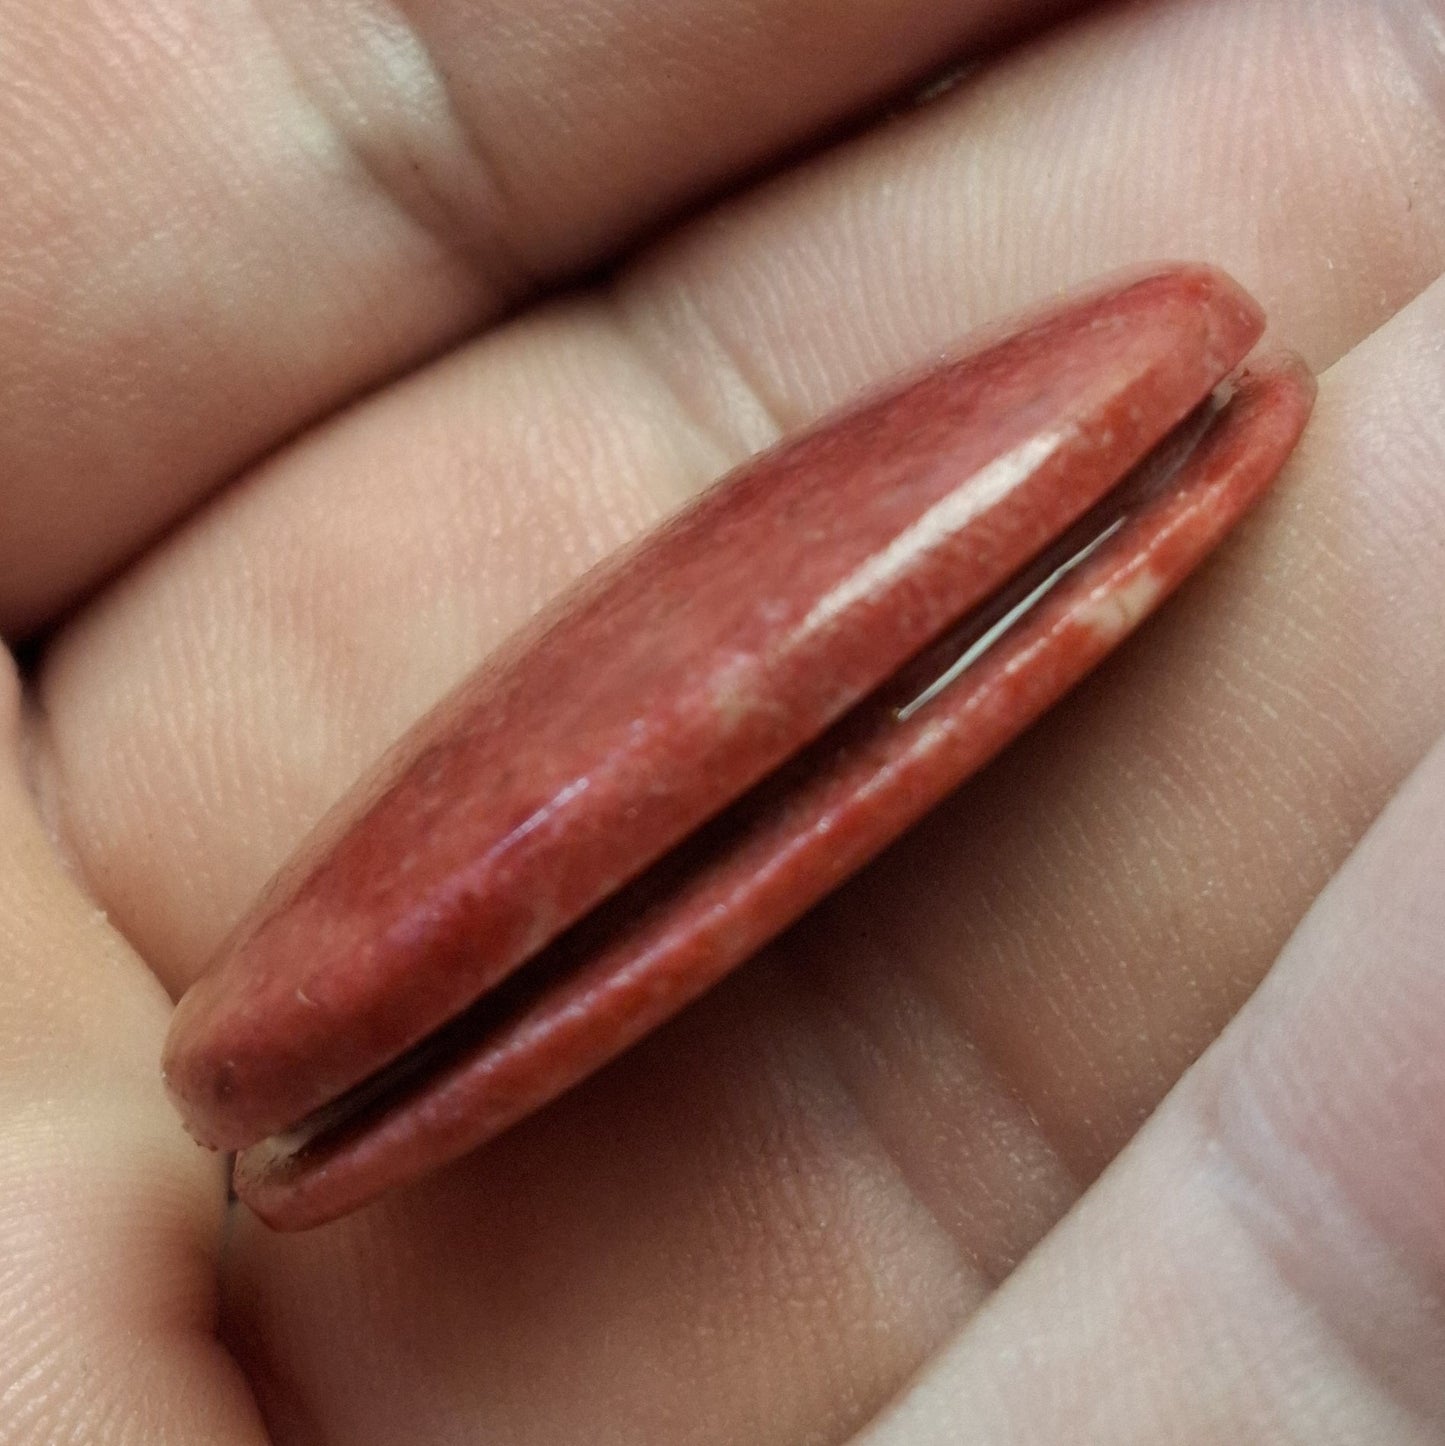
(220, 223)
(1264, 1263)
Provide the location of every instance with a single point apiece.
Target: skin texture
(763, 1224)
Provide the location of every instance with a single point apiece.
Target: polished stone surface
(715, 730)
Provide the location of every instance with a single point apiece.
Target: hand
(325, 235)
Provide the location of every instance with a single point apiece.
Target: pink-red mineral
(715, 730)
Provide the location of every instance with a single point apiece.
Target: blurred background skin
(338, 337)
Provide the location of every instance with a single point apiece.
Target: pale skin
(828, 1204)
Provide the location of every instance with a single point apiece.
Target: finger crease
(854, 1032)
(747, 421)
(382, 93)
(1319, 1250)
